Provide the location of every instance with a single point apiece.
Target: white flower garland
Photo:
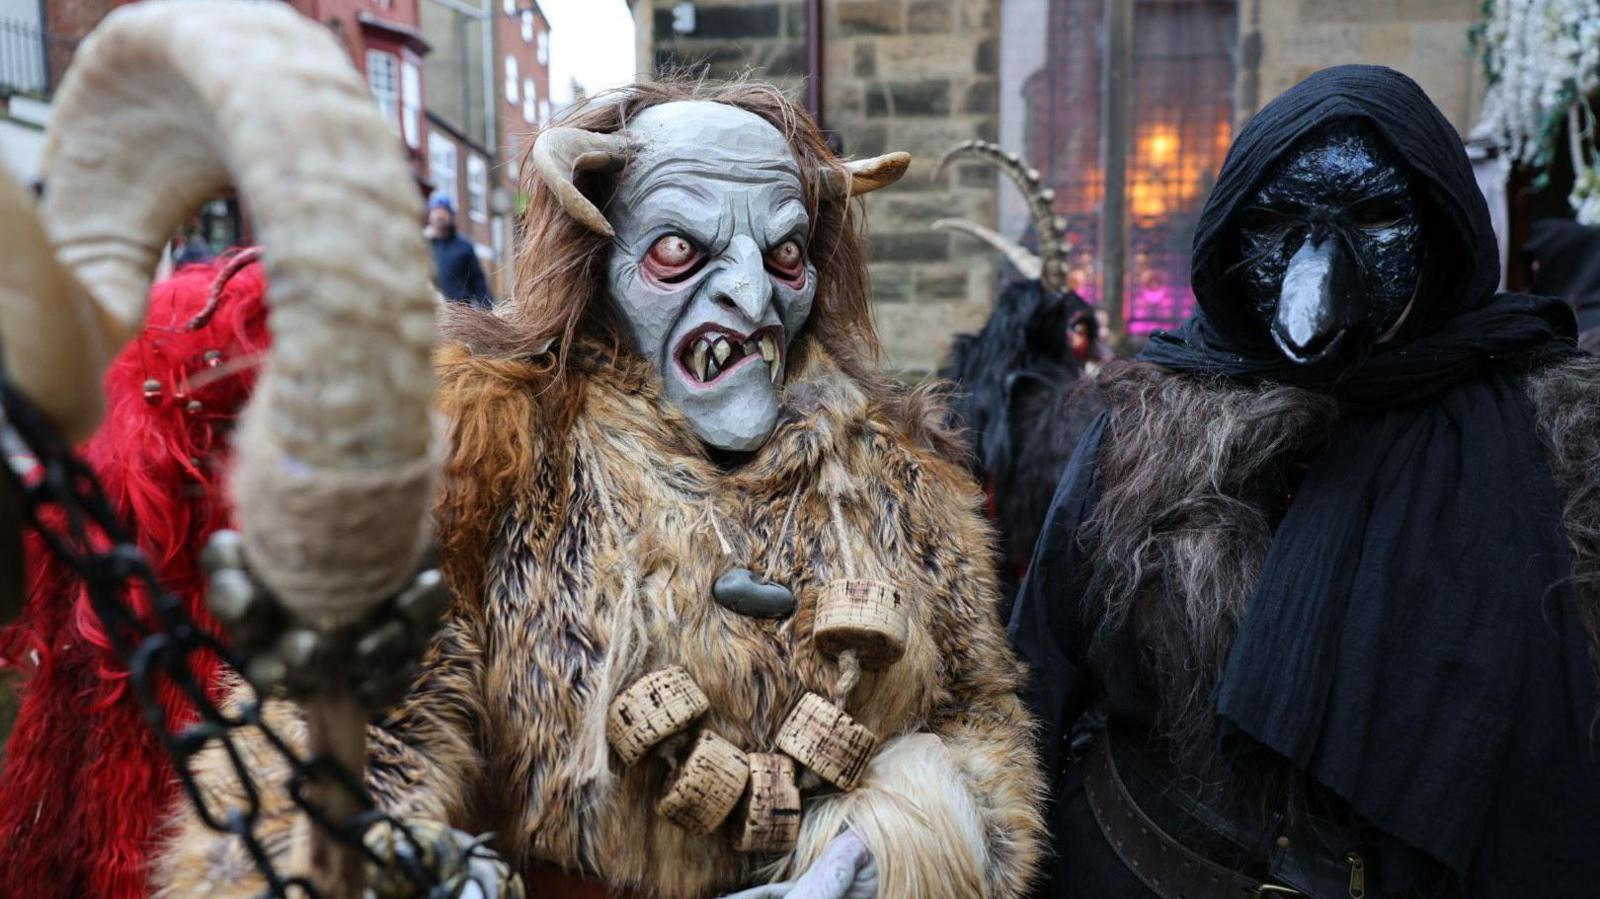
(1543, 61)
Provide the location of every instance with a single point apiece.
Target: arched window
(511, 79)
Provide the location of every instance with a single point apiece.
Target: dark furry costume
(85, 779)
(583, 563)
(1355, 601)
(1016, 401)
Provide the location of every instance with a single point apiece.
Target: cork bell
(771, 815)
(706, 786)
(819, 735)
(659, 705)
(866, 616)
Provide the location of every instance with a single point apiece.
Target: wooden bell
(655, 707)
(772, 805)
(707, 786)
(819, 735)
(866, 616)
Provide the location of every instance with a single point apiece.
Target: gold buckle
(1267, 890)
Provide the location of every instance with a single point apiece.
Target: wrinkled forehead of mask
(698, 138)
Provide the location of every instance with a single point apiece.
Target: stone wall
(914, 75)
(1282, 41)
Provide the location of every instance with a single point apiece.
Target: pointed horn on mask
(1026, 263)
(560, 153)
(1050, 227)
(863, 176)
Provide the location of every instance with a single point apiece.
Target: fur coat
(583, 562)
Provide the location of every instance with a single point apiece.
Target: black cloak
(1569, 266)
(1411, 643)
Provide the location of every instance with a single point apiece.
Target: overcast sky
(591, 41)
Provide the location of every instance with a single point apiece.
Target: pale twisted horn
(1050, 228)
(1028, 264)
(560, 153)
(863, 176)
(54, 341)
(166, 104)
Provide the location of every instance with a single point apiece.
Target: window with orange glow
(1182, 113)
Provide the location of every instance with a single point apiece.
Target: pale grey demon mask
(710, 265)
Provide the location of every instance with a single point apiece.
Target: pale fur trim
(915, 814)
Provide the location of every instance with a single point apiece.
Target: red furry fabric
(85, 781)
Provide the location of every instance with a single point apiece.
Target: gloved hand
(845, 870)
(462, 865)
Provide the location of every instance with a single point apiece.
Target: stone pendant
(744, 592)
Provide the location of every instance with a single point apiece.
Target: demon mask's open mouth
(711, 352)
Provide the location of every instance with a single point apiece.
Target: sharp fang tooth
(721, 351)
(774, 371)
(769, 348)
(698, 359)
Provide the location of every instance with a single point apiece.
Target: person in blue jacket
(457, 272)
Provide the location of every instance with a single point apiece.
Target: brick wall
(1282, 41)
(914, 75)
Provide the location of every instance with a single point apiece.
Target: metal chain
(63, 501)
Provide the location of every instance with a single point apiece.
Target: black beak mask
(1330, 245)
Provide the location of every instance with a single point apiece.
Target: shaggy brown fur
(583, 557)
(1193, 472)
(1566, 400)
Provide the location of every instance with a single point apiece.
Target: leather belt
(1168, 868)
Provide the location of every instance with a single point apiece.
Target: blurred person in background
(455, 262)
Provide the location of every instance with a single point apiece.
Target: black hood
(1403, 115)
(1458, 326)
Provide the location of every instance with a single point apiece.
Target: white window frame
(511, 79)
(477, 188)
(444, 166)
(383, 80)
(510, 6)
(530, 101)
(527, 26)
(411, 103)
(544, 47)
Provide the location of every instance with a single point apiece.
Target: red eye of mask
(671, 258)
(787, 261)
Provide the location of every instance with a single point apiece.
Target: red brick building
(522, 37)
(384, 40)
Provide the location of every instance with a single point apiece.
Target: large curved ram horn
(1050, 228)
(863, 176)
(560, 153)
(54, 342)
(1026, 263)
(168, 103)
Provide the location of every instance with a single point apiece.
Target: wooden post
(335, 727)
(1116, 114)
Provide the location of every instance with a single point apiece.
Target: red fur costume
(85, 780)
